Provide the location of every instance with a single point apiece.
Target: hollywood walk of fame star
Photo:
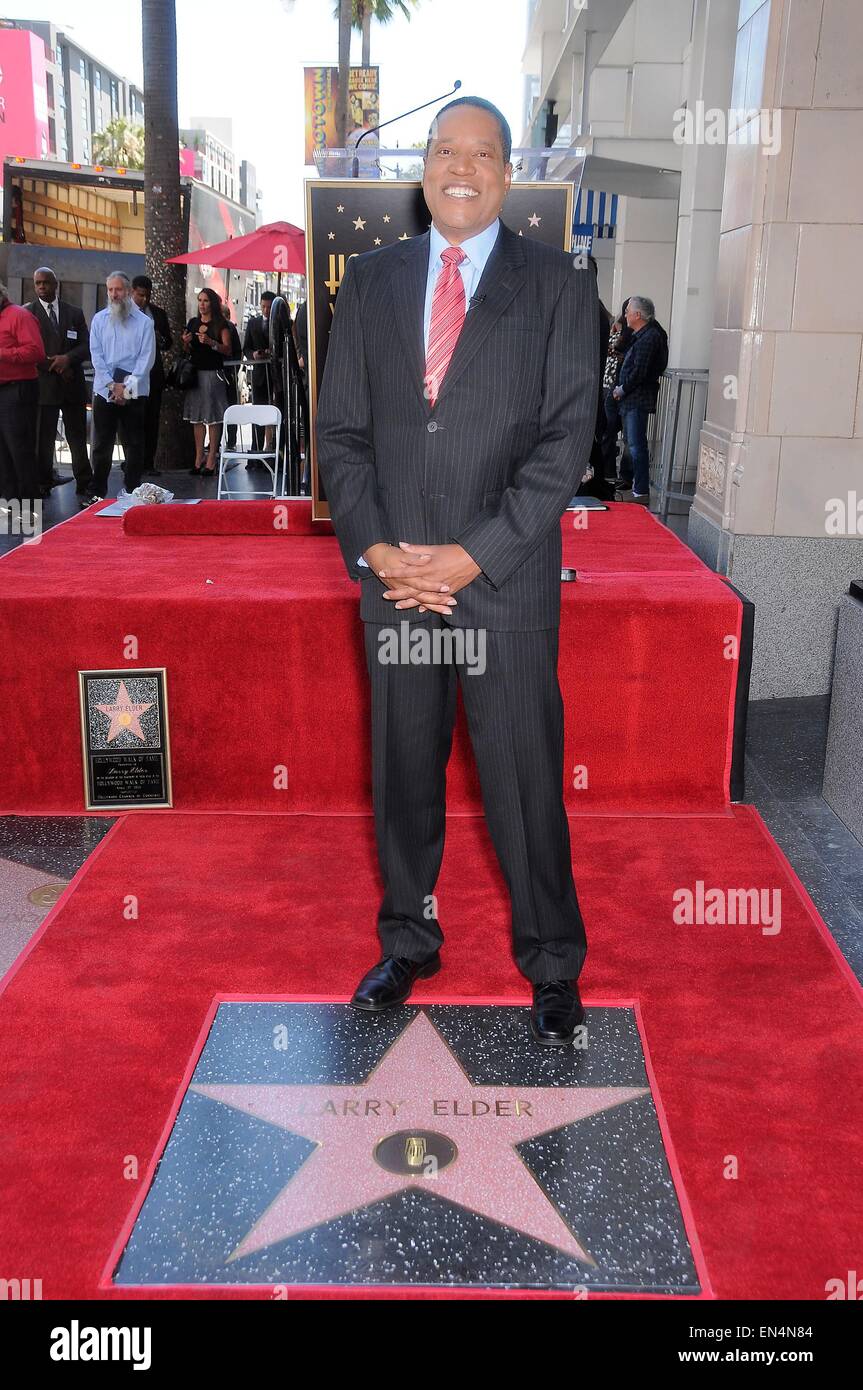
(534, 220)
(418, 1085)
(359, 224)
(125, 715)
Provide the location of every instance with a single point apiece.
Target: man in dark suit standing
(62, 387)
(456, 416)
(256, 348)
(142, 293)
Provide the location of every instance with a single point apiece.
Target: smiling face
(465, 179)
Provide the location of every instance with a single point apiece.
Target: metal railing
(674, 436)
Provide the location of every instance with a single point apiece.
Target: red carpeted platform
(259, 632)
(755, 1039)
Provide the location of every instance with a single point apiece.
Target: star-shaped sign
(340, 208)
(417, 1121)
(125, 714)
(386, 217)
(377, 241)
(534, 220)
(331, 236)
(359, 224)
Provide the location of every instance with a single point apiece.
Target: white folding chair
(246, 416)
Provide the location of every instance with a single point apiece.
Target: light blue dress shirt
(128, 346)
(477, 250)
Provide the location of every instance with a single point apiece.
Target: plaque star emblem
(359, 224)
(417, 1094)
(534, 220)
(125, 714)
(386, 217)
(340, 208)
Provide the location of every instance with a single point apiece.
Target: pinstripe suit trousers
(515, 720)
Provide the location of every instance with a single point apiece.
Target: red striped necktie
(447, 317)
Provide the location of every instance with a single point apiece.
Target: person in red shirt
(21, 348)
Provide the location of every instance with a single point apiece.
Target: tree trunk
(345, 18)
(164, 233)
(367, 36)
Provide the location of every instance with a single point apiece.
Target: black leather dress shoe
(390, 982)
(556, 1013)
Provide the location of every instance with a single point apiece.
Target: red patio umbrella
(279, 246)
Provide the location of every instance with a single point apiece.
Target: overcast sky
(244, 59)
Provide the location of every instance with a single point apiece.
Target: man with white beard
(123, 349)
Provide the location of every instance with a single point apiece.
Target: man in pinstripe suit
(455, 421)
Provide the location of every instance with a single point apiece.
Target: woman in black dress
(207, 340)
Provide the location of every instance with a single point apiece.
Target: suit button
(431, 426)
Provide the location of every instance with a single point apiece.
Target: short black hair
(505, 132)
(268, 294)
(143, 282)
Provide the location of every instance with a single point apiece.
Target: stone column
(781, 453)
(708, 89)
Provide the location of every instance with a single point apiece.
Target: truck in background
(87, 220)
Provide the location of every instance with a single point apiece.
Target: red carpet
(262, 644)
(756, 1040)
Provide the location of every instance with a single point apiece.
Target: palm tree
(364, 11)
(344, 15)
(120, 145)
(381, 10)
(163, 221)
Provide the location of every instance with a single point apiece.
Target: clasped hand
(422, 576)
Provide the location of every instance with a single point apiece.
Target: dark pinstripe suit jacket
(496, 460)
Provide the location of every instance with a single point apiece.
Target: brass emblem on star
(415, 1153)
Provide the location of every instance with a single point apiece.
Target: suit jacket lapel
(408, 288)
(500, 281)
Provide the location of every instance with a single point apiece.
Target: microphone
(355, 166)
(474, 300)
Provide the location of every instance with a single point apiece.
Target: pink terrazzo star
(125, 714)
(418, 1085)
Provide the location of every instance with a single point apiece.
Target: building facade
(726, 128)
(83, 94)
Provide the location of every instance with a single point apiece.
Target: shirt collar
(55, 303)
(477, 248)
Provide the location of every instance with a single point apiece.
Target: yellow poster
(321, 90)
